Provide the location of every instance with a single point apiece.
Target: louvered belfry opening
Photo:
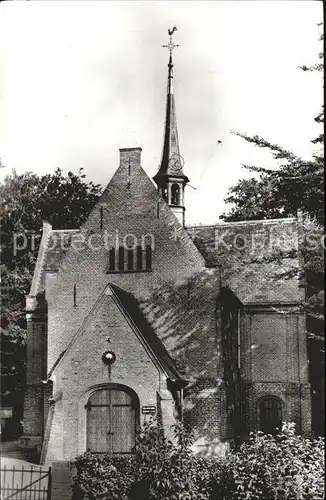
(112, 419)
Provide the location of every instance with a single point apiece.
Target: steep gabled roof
(259, 259)
(54, 244)
(132, 309)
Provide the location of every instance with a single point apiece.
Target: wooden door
(270, 410)
(111, 421)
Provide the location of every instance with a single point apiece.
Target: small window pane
(121, 259)
(130, 260)
(148, 257)
(175, 194)
(112, 259)
(139, 258)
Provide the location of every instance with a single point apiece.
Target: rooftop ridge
(64, 230)
(234, 223)
(40, 261)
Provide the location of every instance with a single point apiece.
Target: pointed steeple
(170, 177)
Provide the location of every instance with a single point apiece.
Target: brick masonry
(274, 363)
(61, 480)
(178, 296)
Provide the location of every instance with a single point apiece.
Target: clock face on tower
(176, 163)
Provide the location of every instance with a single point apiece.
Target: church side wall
(274, 363)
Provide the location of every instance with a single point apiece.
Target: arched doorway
(270, 414)
(112, 418)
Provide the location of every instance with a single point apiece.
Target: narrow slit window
(139, 258)
(112, 259)
(130, 261)
(148, 257)
(175, 194)
(121, 259)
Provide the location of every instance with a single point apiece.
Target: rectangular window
(139, 258)
(130, 262)
(112, 259)
(121, 259)
(148, 257)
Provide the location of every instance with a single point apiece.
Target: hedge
(286, 466)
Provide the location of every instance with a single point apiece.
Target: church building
(136, 315)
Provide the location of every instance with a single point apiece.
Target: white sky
(80, 80)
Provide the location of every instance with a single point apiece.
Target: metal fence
(26, 483)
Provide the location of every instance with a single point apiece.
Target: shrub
(103, 477)
(160, 469)
(170, 469)
(285, 466)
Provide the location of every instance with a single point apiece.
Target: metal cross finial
(171, 46)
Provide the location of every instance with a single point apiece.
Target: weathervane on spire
(171, 45)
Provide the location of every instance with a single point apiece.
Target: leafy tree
(297, 184)
(27, 200)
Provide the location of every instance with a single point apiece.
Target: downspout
(238, 341)
(176, 388)
(239, 429)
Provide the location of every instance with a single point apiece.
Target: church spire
(170, 178)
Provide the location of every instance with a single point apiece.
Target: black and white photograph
(162, 250)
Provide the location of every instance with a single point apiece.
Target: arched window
(165, 194)
(130, 261)
(175, 194)
(112, 259)
(112, 417)
(270, 414)
(148, 257)
(139, 258)
(121, 259)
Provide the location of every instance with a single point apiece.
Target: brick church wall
(259, 261)
(185, 318)
(274, 363)
(35, 370)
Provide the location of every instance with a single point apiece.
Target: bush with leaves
(281, 467)
(170, 468)
(160, 469)
(286, 466)
(103, 477)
